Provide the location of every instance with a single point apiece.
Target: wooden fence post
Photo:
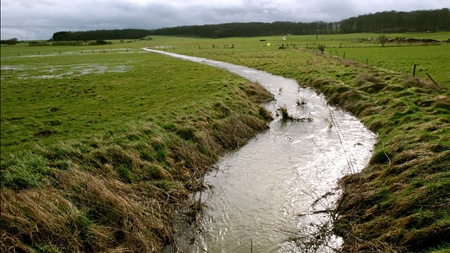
(431, 79)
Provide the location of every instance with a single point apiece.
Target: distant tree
(382, 39)
(12, 41)
(102, 42)
(60, 36)
(95, 35)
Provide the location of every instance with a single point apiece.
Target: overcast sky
(39, 19)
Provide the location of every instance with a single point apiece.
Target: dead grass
(83, 213)
(284, 113)
(366, 78)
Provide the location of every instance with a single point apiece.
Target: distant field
(432, 58)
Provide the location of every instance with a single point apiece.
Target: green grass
(104, 137)
(63, 97)
(400, 201)
(364, 48)
(430, 59)
(100, 149)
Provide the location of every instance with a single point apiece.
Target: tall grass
(102, 160)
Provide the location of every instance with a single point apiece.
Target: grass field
(61, 97)
(429, 58)
(99, 150)
(106, 142)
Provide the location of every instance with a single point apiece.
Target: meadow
(55, 98)
(99, 150)
(397, 57)
(108, 141)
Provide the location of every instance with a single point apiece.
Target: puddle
(57, 72)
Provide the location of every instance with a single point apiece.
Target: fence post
(431, 79)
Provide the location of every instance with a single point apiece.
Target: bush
(321, 48)
(382, 39)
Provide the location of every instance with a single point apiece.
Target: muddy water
(258, 194)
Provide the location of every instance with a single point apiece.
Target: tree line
(115, 34)
(392, 21)
(380, 22)
(12, 41)
(250, 29)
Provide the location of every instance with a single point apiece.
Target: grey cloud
(39, 19)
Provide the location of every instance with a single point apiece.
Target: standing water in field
(260, 197)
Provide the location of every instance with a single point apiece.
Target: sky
(39, 19)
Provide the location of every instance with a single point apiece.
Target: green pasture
(50, 97)
(102, 145)
(431, 58)
(96, 137)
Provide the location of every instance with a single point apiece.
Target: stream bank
(259, 193)
(399, 202)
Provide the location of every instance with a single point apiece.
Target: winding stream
(259, 193)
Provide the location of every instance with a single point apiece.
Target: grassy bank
(400, 201)
(100, 149)
(114, 183)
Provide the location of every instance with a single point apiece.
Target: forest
(380, 22)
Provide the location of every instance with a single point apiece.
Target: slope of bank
(401, 201)
(116, 189)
